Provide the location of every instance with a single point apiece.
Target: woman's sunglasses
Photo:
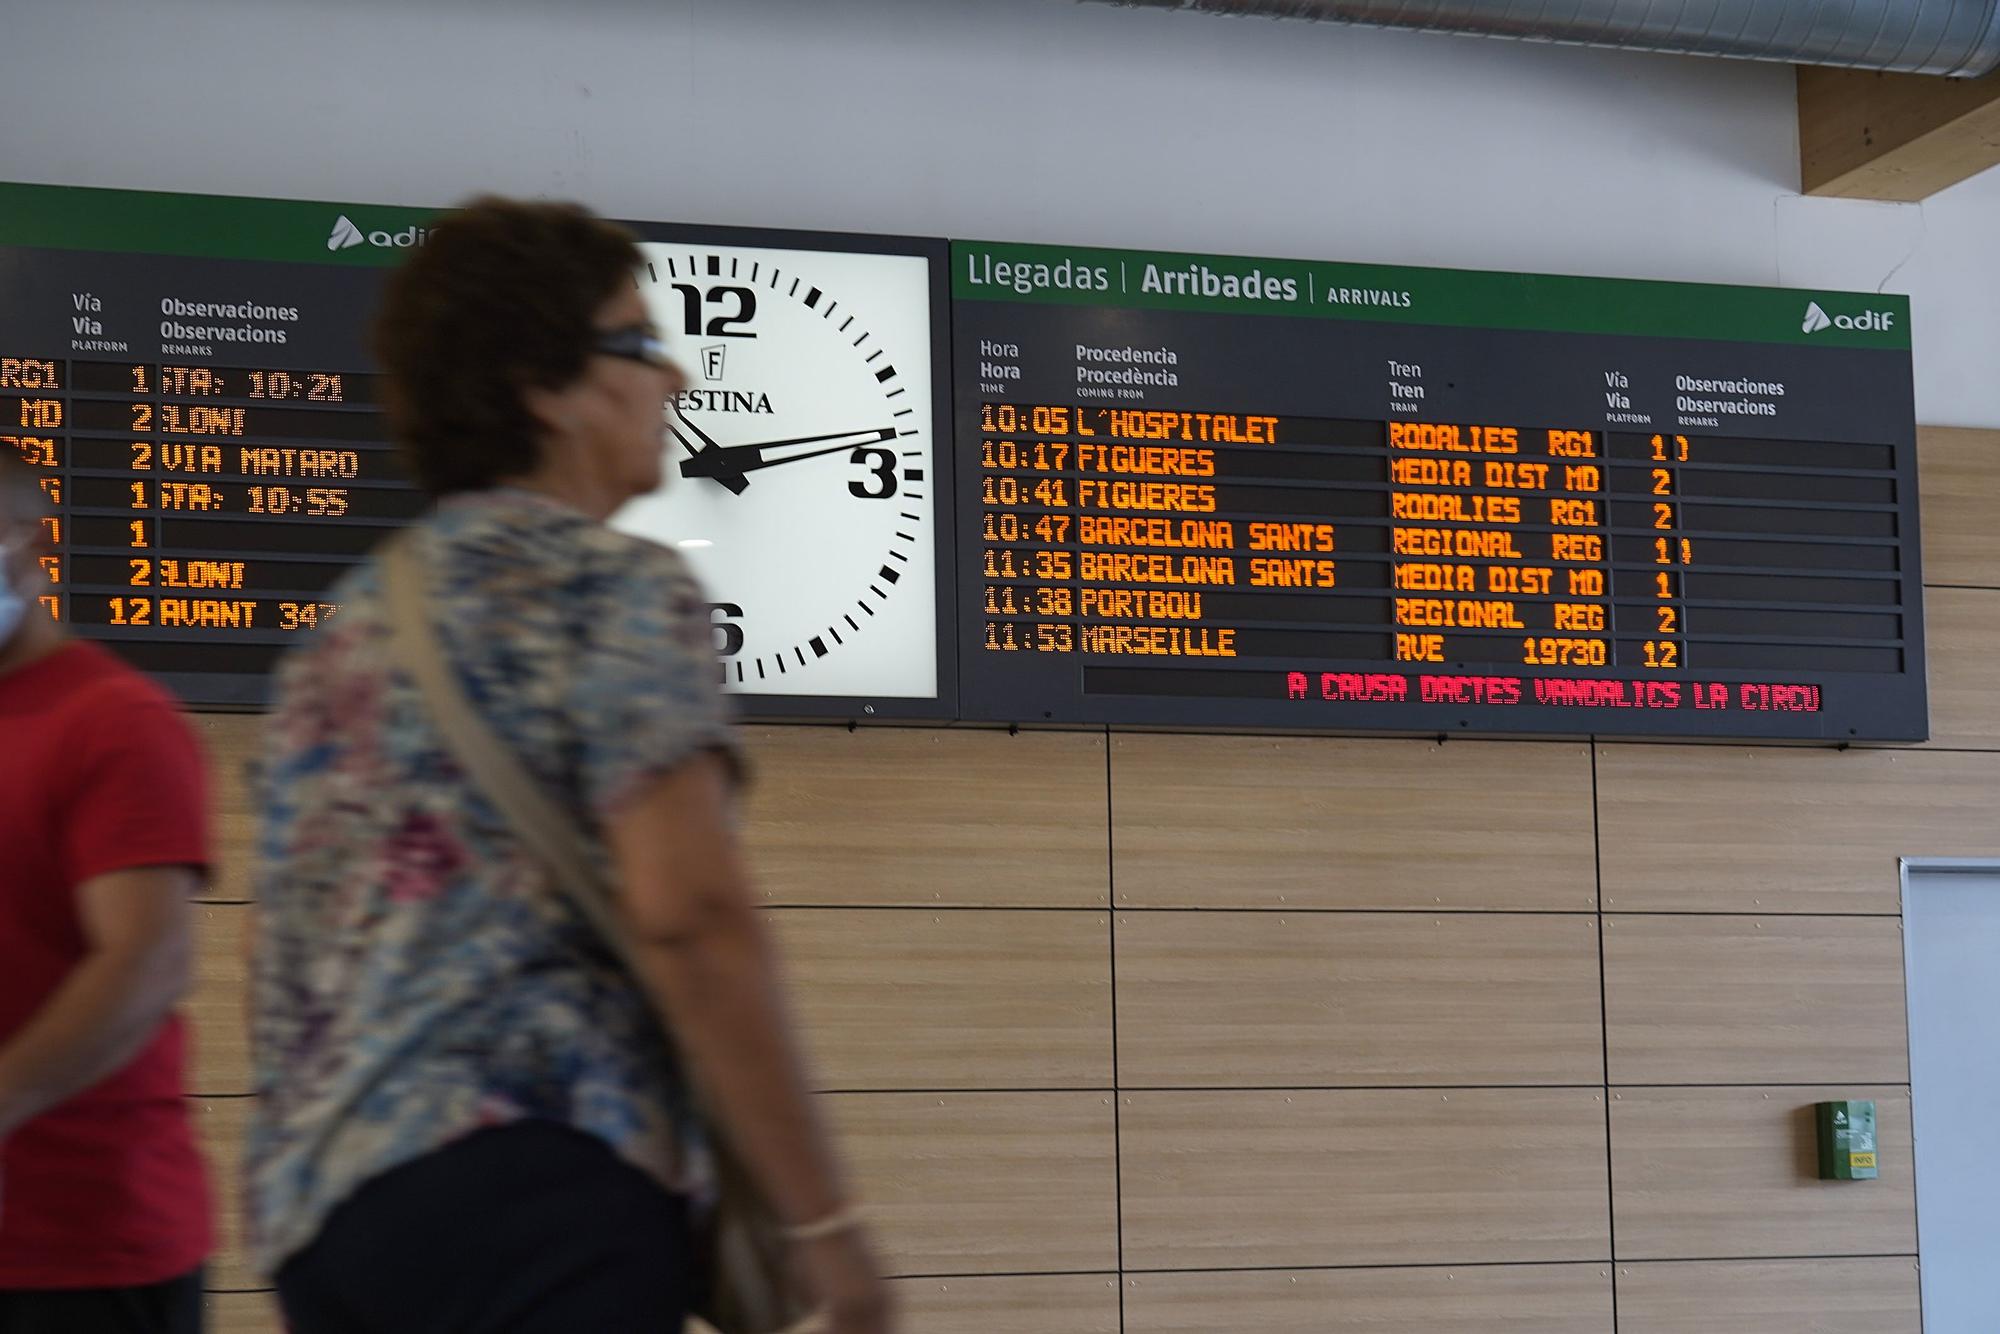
(636, 342)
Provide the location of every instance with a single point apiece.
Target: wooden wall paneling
(1770, 1297)
(242, 1313)
(933, 817)
(896, 816)
(984, 1183)
(1362, 1177)
(1962, 636)
(1486, 1299)
(966, 999)
(967, 1184)
(1250, 822)
(1259, 999)
(229, 742)
(216, 1004)
(1755, 1000)
(1877, 134)
(1014, 1304)
(221, 1124)
(1707, 1173)
(1768, 829)
(1958, 478)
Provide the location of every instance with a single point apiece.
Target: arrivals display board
(1041, 485)
(190, 376)
(1264, 494)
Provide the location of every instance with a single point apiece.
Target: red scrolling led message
(1554, 691)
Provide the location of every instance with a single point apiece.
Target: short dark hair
(499, 298)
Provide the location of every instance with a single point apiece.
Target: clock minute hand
(726, 463)
(704, 465)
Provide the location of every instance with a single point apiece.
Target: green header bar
(1233, 285)
(57, 217)
(375, 235)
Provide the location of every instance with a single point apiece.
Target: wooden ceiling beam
(1869, 135)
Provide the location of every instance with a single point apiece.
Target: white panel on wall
(1953, 926)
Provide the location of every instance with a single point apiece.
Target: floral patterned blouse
(416, 975)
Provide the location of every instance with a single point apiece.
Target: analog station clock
(801, 480)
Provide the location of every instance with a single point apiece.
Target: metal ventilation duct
(1955, 37)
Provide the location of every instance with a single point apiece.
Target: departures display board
(190, 375)
(1227, 492)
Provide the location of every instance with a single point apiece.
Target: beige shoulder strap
(751, 1276)
(547, 831)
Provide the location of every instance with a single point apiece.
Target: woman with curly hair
(473, 1115)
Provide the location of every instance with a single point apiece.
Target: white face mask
(13, 602)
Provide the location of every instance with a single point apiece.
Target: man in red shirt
(104, 1209)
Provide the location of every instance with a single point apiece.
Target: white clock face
(799, 477)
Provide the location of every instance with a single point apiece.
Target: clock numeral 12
(692, 300)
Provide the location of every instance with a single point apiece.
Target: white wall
(1002, 119)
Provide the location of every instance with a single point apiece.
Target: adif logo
(1877, 321)
(346, 234)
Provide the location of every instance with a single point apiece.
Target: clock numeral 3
(692, 300)
(881, 465)
(724, 616)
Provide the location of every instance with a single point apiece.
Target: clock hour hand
(735, 481)
(727, 464)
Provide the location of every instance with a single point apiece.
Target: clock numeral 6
(881, 465)
(724, 616)
(692, 300)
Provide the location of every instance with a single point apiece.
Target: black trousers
(530, 1228)
(172, 1307)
